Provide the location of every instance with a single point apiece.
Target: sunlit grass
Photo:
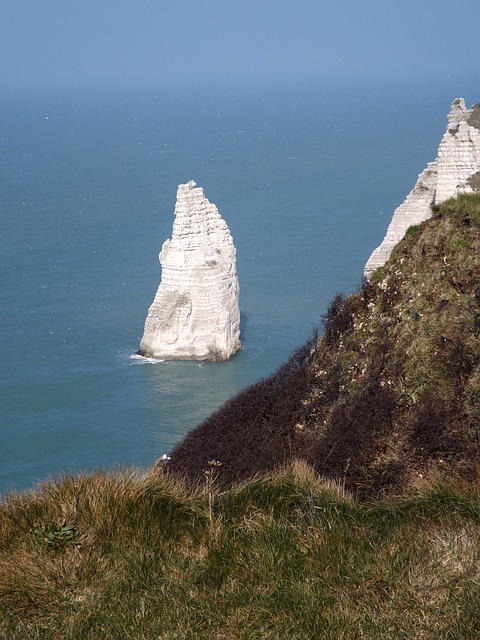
(284, 556)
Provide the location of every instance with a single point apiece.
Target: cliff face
(195, 314)
(455, 170)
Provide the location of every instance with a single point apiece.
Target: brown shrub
(253, 431)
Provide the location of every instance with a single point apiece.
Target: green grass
(284, 556)
(386, 405)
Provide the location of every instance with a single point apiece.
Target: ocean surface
(307, 178)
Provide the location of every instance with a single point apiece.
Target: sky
(50, 43)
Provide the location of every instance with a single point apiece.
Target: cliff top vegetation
(388, 394)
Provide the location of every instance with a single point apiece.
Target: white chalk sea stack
(455, 170)
(196, 313)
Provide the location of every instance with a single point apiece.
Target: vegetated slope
(389, 393)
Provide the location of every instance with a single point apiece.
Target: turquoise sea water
(307, 178)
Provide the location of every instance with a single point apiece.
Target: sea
(306, 175)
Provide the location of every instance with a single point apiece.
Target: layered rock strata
(195, 314)
(455, 170)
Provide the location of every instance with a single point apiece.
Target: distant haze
(150, 42)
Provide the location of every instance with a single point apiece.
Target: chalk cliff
(195, 314)
(455, 170)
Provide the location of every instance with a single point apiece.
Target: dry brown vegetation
(474, 119)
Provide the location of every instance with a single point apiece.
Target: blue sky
(150, 42)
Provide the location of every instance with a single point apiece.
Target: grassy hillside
(338, 498)
(284, 557)
(392, 389)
